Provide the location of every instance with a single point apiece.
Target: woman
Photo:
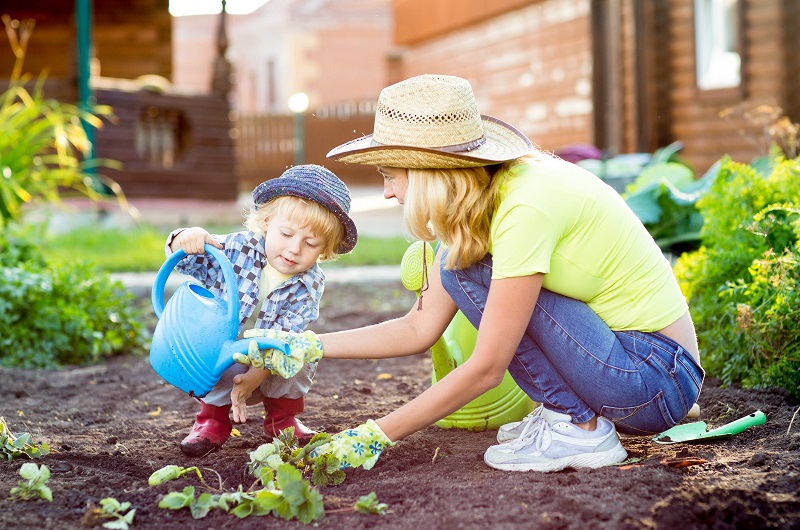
(568, 291)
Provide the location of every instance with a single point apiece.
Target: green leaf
(201, 506)
(294, 491)
(265, 501)
(369, 504)
(243, 510)
(312, 509)
(175, 500)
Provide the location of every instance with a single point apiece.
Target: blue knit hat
(317, 184)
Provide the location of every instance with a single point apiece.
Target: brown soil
(107, 440)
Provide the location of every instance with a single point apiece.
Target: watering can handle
(157, 295)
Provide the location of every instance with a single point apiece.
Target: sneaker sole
(590, 460)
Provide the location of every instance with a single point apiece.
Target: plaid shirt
(291, 306)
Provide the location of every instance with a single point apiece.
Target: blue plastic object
(195, 337)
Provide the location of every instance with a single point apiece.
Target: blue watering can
(195, 337)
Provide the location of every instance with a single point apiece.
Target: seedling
(287, 497)
(17, 445)
(279, 467)
(111, 508)
(171, 472)
(369, 504)
(285, 449)
(33, 487)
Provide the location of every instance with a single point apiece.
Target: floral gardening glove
(304, 348)
(356, 447)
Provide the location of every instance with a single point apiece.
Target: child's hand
(193, 240)
(243, 387)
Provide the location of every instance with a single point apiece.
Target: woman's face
(395, 182)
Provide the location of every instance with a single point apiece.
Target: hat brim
(502, 143)
(274, 188)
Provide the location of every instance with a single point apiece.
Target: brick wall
(531, 67)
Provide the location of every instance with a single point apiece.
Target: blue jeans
(570, 361)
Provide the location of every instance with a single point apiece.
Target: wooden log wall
(767, 71)
(169, 145)
(131, 38)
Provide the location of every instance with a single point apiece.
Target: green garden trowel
(696, 432)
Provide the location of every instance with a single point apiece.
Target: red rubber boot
(281, 414)
(211, 429)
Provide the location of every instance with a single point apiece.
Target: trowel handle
(735, 427)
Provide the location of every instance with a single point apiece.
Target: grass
(141, 249)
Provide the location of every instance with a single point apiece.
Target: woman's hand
(304, 348)
(193, 241)
(359, 447)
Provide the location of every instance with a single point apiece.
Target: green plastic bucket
(504, 403)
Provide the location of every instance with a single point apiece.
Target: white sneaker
(554, 443)
(511, 431)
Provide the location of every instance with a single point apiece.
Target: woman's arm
(508, 310)
(410, 334)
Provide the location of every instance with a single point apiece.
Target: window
(717, 54)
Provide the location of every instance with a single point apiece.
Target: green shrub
(742, 283)
(43, 142)
(72, 313)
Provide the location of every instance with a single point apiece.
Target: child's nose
(294, 246)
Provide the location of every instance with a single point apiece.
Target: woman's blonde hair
(322, 222)
(455, 206)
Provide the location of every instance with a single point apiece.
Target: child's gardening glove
(356, 447)
(304, 348)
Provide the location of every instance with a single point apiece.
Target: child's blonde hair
(306, 213)
(456, 206)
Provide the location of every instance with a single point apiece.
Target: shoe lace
(532, 416)
(536, 433)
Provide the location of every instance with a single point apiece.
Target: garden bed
(110, 426)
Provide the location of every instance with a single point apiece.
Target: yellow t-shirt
(558, 219)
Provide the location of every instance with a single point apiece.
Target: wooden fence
(266, 144)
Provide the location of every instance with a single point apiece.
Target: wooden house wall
(531, 66)
(766, 75)
(131, 38)
(418, 20)
(170, 145)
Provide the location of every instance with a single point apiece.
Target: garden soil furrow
(110, 426)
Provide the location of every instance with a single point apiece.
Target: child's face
(291, 248)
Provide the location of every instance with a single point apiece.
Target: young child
(297, 219)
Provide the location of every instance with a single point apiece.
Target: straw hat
(317, 184)
(432, 121)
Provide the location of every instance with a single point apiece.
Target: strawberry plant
(285, 494)
(34, 486)
(285, 449)
(15, 445)
(280, 467)
(369, 504)
(111, 508)
(171, 472)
